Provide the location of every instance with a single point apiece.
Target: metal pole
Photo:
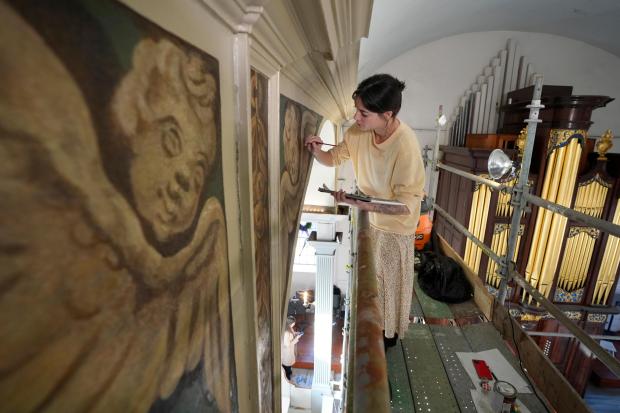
(518, 200)
(574, 215)
(552, 334)
(432, 192)
(496, 186)
(469, 235)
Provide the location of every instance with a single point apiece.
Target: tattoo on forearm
(386, 209)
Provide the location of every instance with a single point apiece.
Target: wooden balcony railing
(367, 383)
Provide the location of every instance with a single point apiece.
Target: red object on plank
(482, 369)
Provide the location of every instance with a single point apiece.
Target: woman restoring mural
(126, 286)
(387, 162)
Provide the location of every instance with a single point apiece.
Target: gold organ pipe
(472, 220)
(543, 219)
(477, 222)
(601, 201)
(502, 211)
(591, 242)
(583, 253)
(595, 199)
(474, 247)
(539, 219)
(483, 225)
(609, 265)
(611, 271)
(565, 192)
(493, 264)
(586, 251)
(603, 270)
(592, 200)
(497, 248)
(502, 245)
(567, 263)
(544, 243)
(482, 204)
(509, 207)
(572, 270)
(586, 201)
(579, 198)
(606, 272)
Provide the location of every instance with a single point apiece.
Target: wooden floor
(305, 347)
(602, 400)
(423, 369)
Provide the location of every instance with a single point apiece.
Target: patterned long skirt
(394, 258)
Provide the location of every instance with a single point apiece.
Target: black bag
(441, 278)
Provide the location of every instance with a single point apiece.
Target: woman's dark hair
(380, 93)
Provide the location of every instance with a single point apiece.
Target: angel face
(169, 170)
(165, 109)
(291, 142)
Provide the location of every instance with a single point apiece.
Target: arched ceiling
(400, 25)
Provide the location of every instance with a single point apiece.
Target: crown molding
(239, 15)
(315, 44)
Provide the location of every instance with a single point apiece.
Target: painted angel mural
(114, 283)
(297, 121)
(260, 183)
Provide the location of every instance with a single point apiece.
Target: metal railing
(519, 199)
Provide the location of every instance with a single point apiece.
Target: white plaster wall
(439, 72)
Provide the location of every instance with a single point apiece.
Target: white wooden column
(323, 318)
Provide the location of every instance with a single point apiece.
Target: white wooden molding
(238, 15)
(315, 44)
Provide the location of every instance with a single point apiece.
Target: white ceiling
(400, 25)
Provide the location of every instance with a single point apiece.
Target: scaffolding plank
(468, 309)
(448, 341)
(416, 308)
(484, 336)
(430, 307)
(402, 399)
(429, 383)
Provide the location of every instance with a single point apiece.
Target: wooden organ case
(575, 266)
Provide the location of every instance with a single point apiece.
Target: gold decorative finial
(520, 143)
(604, 144)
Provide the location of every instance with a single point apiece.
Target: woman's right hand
(313, 143)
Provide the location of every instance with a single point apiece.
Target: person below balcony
(289, 340)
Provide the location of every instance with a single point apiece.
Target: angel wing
(92, 317)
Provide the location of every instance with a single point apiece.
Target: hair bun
(401, 85)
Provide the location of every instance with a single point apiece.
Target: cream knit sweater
(391, 170)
